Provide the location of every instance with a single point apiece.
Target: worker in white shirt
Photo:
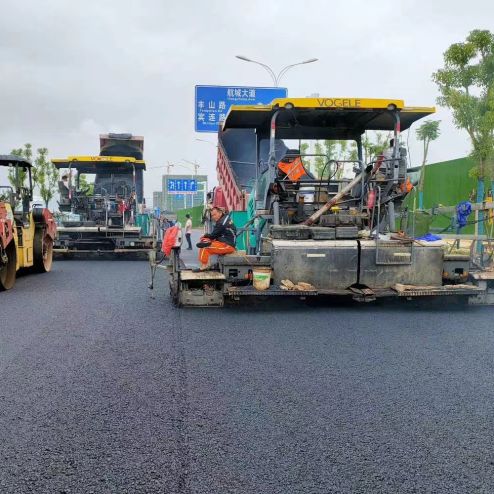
(188, 231)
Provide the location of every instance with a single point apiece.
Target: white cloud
(71, 70)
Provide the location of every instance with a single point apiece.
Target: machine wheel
(8, 270)
(43, 251)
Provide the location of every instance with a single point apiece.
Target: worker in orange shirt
(220, 241)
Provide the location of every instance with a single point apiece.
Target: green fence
(447, 183)
(195, 215)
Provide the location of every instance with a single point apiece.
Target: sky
(70, 70)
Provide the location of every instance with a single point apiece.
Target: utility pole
(169, 166)
(195, 164)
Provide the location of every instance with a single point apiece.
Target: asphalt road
(104, 389)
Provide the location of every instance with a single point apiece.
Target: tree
(44, 173)
(305, 149)
(85, 185)
(320, 160)
(374, 144)
(17, 175)
(17, 180)
(45, 176)
(466, 84)
(427, 132)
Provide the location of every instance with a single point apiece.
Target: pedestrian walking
(188, 231)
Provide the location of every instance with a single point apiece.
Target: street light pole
(206, 141)
(276, 78)
(168, 167)
(196, 167)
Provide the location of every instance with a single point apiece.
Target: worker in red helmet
(220, 241)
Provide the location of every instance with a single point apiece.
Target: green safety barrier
(143, 221)
(239, 219)
(195, 215)
(447, 183)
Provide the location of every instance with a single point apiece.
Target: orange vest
(293, 168)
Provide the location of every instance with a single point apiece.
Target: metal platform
(483, 275)
(99, 229)
(425, 291)
(187, 275)
(250, 291)
(116, 254)
(365, 294)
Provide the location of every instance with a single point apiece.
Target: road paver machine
(106, 219)
(344, 232)
(26, 235)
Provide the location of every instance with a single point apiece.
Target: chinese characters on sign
(182, 186)
(213, 102)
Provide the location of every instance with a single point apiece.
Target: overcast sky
(70, 70)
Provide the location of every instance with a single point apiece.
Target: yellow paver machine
(343, 230)
(106, 216)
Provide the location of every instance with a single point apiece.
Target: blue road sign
(181, 186)
(213, 102)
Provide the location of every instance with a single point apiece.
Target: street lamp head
(241, 57)
(311, 60)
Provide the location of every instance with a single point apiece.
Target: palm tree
(427, 132)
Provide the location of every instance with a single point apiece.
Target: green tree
(18, 178)
(44, 173)
(304, 149)
(427, 132)
(374, 144)
(466, 84)
(45, 176)
(320, 159)
(85, 185)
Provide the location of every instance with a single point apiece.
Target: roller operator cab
(26, 235)
(321, 223)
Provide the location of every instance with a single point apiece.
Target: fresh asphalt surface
(104, 389)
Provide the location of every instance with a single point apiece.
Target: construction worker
(220, 241)
(188, 231)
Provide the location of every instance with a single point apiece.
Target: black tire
(43, 251)
(8, 270)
